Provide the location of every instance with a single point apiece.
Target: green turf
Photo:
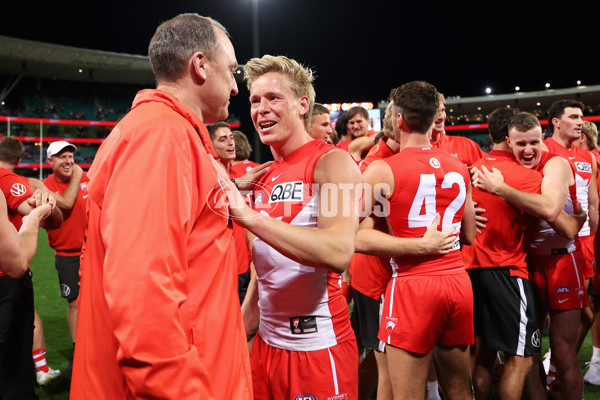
(53, 311)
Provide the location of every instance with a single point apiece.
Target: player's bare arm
(548, 204)
(331, 245)
(66, 200)
(41, 197)
(18, 248)
(593, 198)
(379, 183)
(468, 225)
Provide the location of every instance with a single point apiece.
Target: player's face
(357, 126)
(224, 144)
(526, 146)
(220, 82)
(320, 127)
(569, 124)
(62, 165)
(274, 109)
(440, 119)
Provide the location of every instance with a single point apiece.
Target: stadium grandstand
(51, 91)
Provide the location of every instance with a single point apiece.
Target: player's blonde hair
(590, 130)
(299, 78)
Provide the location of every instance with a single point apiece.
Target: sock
(39, 358)
(551, 374)
(432, 390)
(596, 353)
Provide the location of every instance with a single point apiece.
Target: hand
(77, 171)
(40, 213)
(42, 197)
(251, 177)
(474, 173)
(237, 205)
(437, 242)
(489, 181)
(480, 220)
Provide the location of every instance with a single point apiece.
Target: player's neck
(436, 135)
(226, 163)
(502, 146)
(414, 140)
(287, 146)
(562, 141)
(5, 165)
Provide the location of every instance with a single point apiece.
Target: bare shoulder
(379, 172)
(337, 165)
(557, 163)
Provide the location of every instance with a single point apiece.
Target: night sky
(358, 49)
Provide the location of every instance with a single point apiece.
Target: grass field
(53, 311)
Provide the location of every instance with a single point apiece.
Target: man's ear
(198, 66)
(304, 105)
(400, 121)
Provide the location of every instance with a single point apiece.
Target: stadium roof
(27, 58)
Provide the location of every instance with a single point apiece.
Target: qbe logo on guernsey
(583, 167)
(288, 191)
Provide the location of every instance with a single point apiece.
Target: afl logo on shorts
(18, 190)
(434, 162)
(535, 338)
(66, 290)
(305, 396)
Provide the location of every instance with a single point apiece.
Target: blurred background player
(17, 248)
(359, 137)
(223, 143)
(565, 122)
(463, 148)
(67, 241)
(243, 149)
(17, 313)
(589, 141)
(320, 124)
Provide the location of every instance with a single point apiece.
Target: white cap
(57, 147)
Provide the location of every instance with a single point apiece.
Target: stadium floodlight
(547, 85)
(517, 88)
(488, 90)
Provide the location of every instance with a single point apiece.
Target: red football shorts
(586, 244)
(330, 373)
(559, 280)
(421, 311)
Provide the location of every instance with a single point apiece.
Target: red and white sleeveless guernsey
(581, 163)
(427, 182)
(301, 307)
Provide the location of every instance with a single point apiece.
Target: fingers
(41, 197)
